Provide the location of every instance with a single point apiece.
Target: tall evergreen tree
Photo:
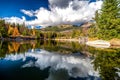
(3, 30)
(108, 20)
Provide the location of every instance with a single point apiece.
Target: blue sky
(48, 12)
(9, 8)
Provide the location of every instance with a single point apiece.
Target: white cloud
(59, 3)
(27, 12)
(76, 12)
(15, 20)
(72, 12)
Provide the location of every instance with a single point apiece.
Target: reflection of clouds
(29, 64)
(14, 57)
(118, 71)
(60, 74)
(76, 66)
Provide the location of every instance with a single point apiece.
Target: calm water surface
(51, 60)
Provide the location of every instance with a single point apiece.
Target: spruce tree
(3, 30)
(108, 20)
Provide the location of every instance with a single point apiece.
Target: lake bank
(18, 38)
(114, 43)
(81, 40)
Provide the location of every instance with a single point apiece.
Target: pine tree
(3, 30)
(108, 20)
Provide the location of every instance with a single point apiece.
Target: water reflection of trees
(14, 47)
(3, 48)
(50, 45)
(19, 47)
(62, 47)
(106, 62)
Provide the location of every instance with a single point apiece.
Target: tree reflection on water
(107, 62)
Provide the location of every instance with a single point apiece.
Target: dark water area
(53, 60)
